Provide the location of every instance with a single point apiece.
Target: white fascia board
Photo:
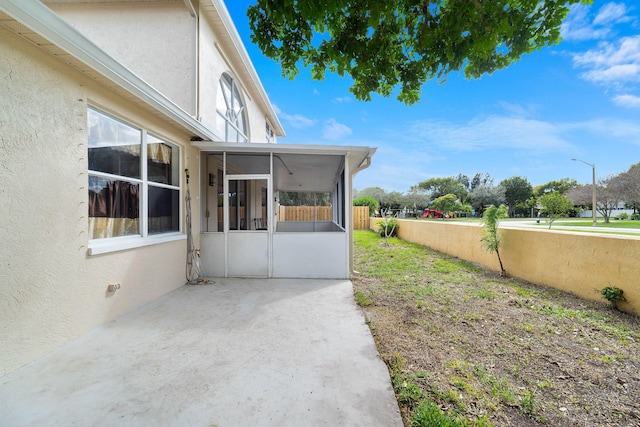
(359, 153)
(246, 60)
(46, 23)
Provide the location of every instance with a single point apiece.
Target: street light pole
(593, 187)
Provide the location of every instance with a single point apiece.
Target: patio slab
(238, 352)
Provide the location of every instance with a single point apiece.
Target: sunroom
(277, 210)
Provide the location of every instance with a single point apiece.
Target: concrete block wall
(578, 263)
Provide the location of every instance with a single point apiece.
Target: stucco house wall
(157, 41)
(53, 284)
(212, 65)
(216, 58)
(52, 291)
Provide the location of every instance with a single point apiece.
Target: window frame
(229, 107)
(270, 133)
(98, 246)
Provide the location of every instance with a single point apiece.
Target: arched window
(232, 114)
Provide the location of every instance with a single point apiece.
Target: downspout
(366, 162)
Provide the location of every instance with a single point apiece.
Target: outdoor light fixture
(593, 195)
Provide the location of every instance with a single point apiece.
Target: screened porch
(274, 210)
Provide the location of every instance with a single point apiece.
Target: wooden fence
(323, 213)
(360, 217)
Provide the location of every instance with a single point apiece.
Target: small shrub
(612, 294)
(635, 216)
(622, 216)
(387, 227)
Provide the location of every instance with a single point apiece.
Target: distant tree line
(463, 193)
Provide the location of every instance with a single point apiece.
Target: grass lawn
(465, 347)
(600, 223)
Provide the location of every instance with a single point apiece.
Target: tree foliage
(471, 183)
(627, 185)
(303, 198)
(393, 199)
(559, 186)
(367, 201)
(608, 196)
(385, 44)
(490, 236)
(485, 195)
(438, 187)
(446, 203)
(554, 205)
(516, 190)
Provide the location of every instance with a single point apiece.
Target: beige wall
(214, 61)
(574, 262)
(51, 291)
(157, 41)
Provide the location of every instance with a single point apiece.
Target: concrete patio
(237, 352)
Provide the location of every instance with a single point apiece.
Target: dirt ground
(492, 350)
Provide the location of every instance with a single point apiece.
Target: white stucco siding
(214, 61)
(51, 291)
(157, 41)
(257, 121)
(212, 65)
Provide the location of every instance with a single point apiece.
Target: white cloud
(631, 101)
(611, 130)
(578, 27)
(611, 63)
(294, 120)
(491, 132)
(611, 13)
(519, 134)
(342, 100)
(333, 130)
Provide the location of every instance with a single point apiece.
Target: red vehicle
(432, 213)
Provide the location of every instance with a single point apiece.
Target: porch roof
(301, 167)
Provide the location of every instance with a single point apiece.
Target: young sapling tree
(491, 237)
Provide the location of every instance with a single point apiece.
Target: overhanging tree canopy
(384, 44)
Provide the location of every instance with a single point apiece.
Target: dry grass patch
(466, 347)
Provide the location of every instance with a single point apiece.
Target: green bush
(387, 227)
(622, 216)
(612, 294)
(367, 201)
(635, 216)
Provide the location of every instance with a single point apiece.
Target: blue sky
(578, 99)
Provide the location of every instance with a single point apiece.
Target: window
(232, 120)
(271, 138)
(134, 180)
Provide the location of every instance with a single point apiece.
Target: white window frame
(118, 243)
(228, 114)
(270, 133)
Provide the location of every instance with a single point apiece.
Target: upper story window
(232, 115)
(134, 180)
(271, 137)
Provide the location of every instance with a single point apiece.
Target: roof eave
(47, 24)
